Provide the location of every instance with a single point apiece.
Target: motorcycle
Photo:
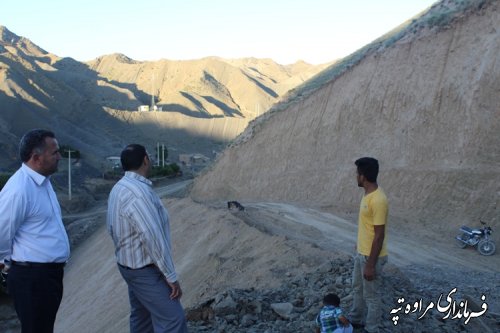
(480, 238)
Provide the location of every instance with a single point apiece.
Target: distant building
(147, 108)
(113, 162)
(193, 159)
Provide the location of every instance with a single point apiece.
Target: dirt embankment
(214, 251)
(426, 107)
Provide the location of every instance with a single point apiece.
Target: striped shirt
(139, 225)
(328, 319)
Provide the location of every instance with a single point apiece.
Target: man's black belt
(134, 269)
(38, 264)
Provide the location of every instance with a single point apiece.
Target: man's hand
(378, 241)
(176, 290)
(369, 272)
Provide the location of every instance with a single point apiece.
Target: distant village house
(113, 162)
(147, 108)
(193, 159)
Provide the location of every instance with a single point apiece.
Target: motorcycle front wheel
(486, 247)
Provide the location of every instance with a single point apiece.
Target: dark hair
(33, 141)
(132, 156)
(331, 299)
(368, 167)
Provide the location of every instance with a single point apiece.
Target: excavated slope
(427, 107)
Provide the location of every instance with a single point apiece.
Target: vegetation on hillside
(169, 170)
(3, 179)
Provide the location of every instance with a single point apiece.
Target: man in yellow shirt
(371, 248)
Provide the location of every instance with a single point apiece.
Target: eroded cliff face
(427, 107)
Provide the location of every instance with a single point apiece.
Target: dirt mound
(214, 251)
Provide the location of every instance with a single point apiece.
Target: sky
(315, 31)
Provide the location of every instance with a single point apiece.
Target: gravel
(294, 306)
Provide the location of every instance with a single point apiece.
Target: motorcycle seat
(471, 231)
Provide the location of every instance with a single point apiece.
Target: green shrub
(167, 170)
(3, 179)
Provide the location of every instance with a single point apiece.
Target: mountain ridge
(92, 106)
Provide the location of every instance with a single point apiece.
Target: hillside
(424, 100)
(425, 105)
(93, 107)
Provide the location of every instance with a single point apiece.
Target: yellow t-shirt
(373, 210)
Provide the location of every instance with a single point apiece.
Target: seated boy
(331, 319)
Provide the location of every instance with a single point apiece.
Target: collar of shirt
(37, 178)
(136, 176)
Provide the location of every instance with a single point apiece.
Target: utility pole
(153, 92)
(69, 172)
(163, 155)
(158, 154)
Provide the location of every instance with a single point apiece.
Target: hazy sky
(316, 31)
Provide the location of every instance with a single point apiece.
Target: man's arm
(154, 236)
(12, 208)
(378, 241)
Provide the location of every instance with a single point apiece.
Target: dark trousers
(37, 293)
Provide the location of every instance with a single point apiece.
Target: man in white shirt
(139, 225)
(34, 245)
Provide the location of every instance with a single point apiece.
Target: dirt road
(407, 246)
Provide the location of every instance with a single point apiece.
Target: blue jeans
(151, 309)
(367, 296)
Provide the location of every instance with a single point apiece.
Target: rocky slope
(425, 105)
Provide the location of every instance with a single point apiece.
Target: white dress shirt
(139, 225)
(31, 227)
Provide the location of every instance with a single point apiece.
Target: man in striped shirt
(139, 225)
